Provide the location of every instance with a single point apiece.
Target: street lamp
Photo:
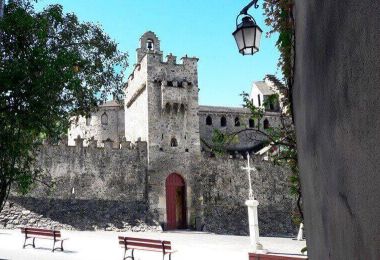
(248, 33)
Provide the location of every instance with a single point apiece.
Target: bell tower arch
(149, 43)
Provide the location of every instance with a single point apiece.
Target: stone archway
(175, 202)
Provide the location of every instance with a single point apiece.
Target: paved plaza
(103, 245)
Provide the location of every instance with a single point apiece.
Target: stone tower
(161, 108)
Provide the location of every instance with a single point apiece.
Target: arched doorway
(175, 202)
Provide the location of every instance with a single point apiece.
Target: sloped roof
(264, 88)
(217, 109)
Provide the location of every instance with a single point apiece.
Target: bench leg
(33, 243)
(55, 248)
(24, 242)
(131, 256)
(54, 245)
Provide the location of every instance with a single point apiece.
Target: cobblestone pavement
(103, 245)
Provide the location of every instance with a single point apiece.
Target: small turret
(190, 61)
(171, 59)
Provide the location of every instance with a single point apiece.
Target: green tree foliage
(280, 136)
(279, 17)
(53, 68)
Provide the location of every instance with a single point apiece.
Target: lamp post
(253, 220)
(247, 34)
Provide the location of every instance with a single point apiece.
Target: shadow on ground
(78, 214)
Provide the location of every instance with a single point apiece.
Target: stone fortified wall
(94, 188)
(106, 188)
(222, 188)
(230, 120)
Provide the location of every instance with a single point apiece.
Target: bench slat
(40, 229)
(147, 241)
(133, 239)
(138, 244)
(48, 234)
(41, 232)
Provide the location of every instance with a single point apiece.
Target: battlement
(171, 59)
(189, 63)
(93, 144)
(235, 156)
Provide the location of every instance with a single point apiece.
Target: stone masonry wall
(244, 139)
(107, 189)
(93, 188)
(222, 189)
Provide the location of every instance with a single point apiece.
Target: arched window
(208, 120)
(104, 119)
(150, 45)
(182, 109)
(237, 121)
(266, 123)
(173, 142)
(251, 123)
(167, 108)
(175, 108)
(88, 120)
(223, 121)
(271, 106)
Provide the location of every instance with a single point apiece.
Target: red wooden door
(175, 202)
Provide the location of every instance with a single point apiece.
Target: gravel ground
(104, 245)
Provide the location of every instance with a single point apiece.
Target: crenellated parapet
(93, 144)
(233, 155)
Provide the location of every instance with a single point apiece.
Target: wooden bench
(132, 243)
(33, 233)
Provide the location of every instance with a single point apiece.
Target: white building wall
(255, 93)
(136, 104)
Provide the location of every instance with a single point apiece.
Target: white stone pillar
(300, 233)
(254, 226)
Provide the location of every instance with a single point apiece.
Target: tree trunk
(4, 192)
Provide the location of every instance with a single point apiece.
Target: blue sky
(201, 28)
